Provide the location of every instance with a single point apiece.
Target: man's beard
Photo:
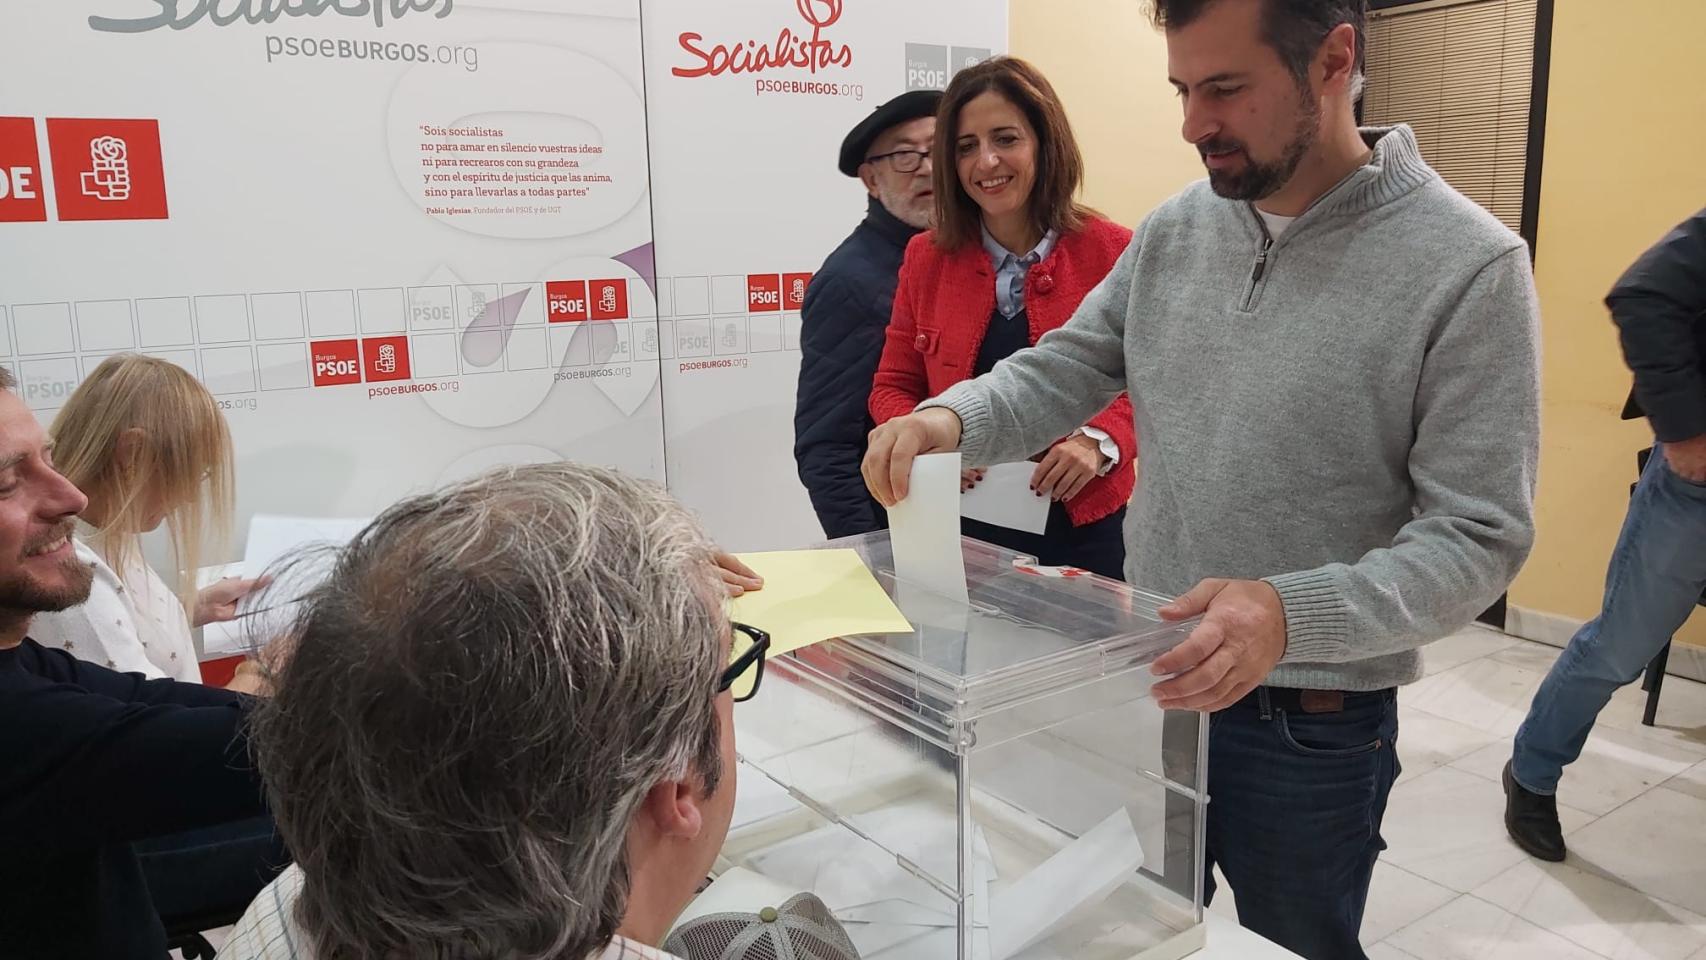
(1259, 180)
(19, 593)
(906, 208)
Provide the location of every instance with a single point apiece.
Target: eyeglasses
(903, 161)
(746, 663)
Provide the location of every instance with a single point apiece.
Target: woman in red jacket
(1010, 259)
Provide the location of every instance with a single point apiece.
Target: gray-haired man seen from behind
(1332, 361)
(504, 729)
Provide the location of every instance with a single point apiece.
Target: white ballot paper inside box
(891, 914)
(889, 911)
(309, 545)
(1065, 888)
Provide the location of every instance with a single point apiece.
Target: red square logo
(763, 292)
(385, 358)
(794, 290)
(107, 169)
(335, 362)
(21, 196)
(565, 301)
(609, 299)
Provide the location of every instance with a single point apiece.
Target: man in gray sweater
(1332, 362)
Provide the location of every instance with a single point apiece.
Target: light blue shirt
(1010, 272)
(1011, 269)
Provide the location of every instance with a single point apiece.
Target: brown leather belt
(1321, 701)
(1294, 700)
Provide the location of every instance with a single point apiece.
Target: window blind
(1459, 72)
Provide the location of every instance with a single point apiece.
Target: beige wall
(1624, 139)
(1110, 69)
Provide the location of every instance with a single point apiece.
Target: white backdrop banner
(403, 240)
(749, 102)
(352, 228)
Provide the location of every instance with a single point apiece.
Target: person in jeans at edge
(1332, 360)
(847, 307)
(1658, 569)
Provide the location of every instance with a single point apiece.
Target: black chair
(1654, 679)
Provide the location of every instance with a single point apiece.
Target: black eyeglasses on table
(746, 665)
(903, 161)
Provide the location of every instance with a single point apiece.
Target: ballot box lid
(1024, 635)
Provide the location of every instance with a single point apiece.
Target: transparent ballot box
(996, 785)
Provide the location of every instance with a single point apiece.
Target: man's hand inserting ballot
(737, 577)
(894, 445)
(1240, 638)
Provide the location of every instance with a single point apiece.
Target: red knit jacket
(942, 310)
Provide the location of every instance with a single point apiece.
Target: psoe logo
(182, 14)
(812, 53)
(110, 177)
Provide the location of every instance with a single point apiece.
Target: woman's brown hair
(1060, 166)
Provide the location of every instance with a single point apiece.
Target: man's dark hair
(1294, 28)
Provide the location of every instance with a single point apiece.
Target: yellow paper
(813, 595)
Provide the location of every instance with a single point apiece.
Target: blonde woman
(145, 441)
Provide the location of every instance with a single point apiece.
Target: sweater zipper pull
(1260, 268)
(1261, 260)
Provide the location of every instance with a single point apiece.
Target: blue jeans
(1295, 804)
(1653, 582)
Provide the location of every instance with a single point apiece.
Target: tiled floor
(1453, 887)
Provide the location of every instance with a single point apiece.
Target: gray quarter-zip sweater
(1350, 412)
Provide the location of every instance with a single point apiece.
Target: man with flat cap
(847, 306)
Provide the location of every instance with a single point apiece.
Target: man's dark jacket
(1660, 308)
(845, 314)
